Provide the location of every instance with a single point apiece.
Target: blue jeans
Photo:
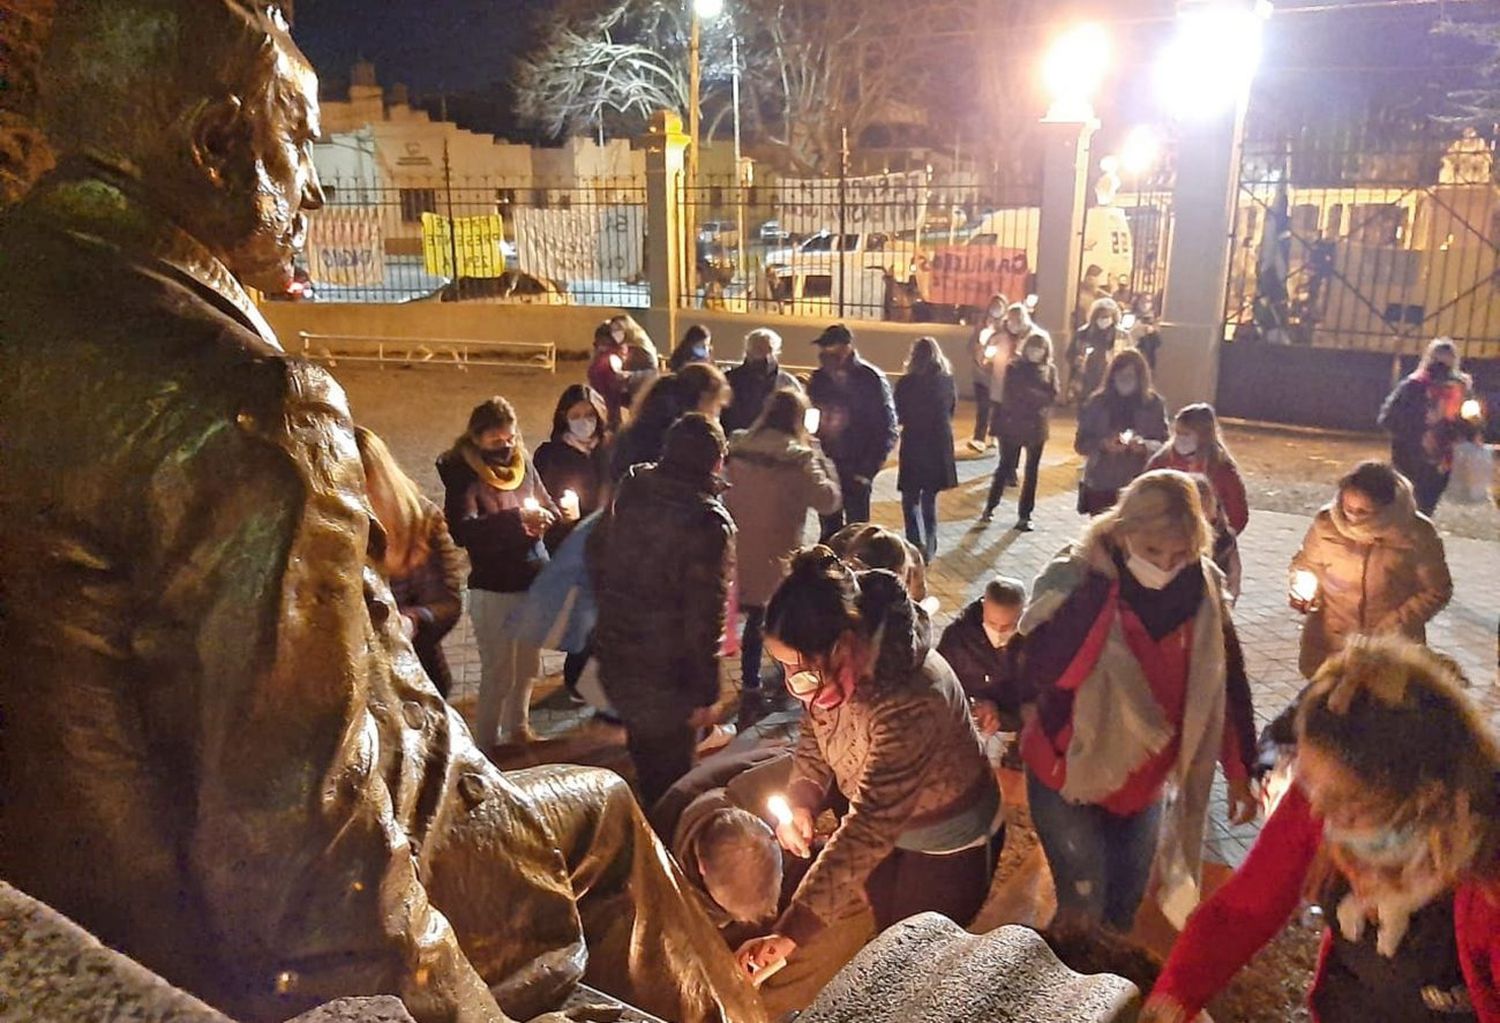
(919, 509)
(1100, 862)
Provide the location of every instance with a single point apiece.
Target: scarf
(501, 477)
(1388, 526)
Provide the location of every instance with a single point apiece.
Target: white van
(1106, 236)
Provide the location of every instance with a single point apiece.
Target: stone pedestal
(929, 970)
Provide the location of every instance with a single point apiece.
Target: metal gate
(1369, 243)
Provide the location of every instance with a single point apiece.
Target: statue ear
(220, 138)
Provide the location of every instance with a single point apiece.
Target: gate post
(1059, 248)
(665, 145)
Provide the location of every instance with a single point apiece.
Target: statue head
(205, 107)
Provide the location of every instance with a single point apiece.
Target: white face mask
(1125, 386)
(1148, 575)
(1104, 323)
(1015, 329)
(1036, 354)
(583, 428)
(1185, 444)
(997, 638)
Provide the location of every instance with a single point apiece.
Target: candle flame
(1470, 409)
(1304, 584)
(531, 504)
(779, 809)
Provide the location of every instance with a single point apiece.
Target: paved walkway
(401, 408)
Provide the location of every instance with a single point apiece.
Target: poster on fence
(476, 240)
(345, 246)
(579, 245)
(971, 274)
(876, 202)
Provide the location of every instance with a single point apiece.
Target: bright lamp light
(1139, 152)
(708, 10)
(1073, 70)
(1208, 65)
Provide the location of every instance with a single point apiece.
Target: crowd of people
(662, 524)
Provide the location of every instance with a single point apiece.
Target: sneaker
(977, 446)
(1024, 526)
(987, 516)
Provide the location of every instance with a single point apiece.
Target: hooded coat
(1091, 347)
(1388, 575)
(661, 561)
(774, 479)
(902, 749)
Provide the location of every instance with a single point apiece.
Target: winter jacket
(1099, 723)
(487, 523)
(904, 752)
(1389, 575)
(1030, 393)
(859, 417)
(752, 383)
(661, 560)
(774, 479)
(924, 408)
(1224, 475)
(1255, 904)
(1107, 415)
(559, 611)
(985, 672)
(563, 467)
(1422, 417)
(612, 384)
(1089, 353)
(431, 595)
(1007, 346)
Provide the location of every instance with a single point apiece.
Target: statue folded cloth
(217, 751)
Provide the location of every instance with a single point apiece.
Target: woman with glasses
(887, 729)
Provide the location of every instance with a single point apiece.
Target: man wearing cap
(858, 427)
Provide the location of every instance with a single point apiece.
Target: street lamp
(702, 10)
(1138, 155)
(1207, 67)
(1073, 70)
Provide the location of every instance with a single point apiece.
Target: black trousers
(1010, 455)
(983, 423)
(661, 754)
(856, 503)
(907, 883)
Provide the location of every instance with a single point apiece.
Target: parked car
(821, 252)
(771, 233)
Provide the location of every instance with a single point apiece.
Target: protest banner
(971, 274)
(578, 245)
(477, 240)
(888, 203)
(345, 246)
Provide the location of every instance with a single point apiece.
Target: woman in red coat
(1393, 828)
(1198, 448)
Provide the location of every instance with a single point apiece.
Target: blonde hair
(1393, 713)
(403, 514)
(1158, 502)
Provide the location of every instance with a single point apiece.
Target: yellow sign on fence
(476, 239)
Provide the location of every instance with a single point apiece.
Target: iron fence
(1367, 241)
(900, 247)
(477, 239)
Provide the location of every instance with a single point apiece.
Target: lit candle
(990, 351)
(570, 503)
(617, 364)
(1304, 585)
(930, 605)
(531, 504)
(1031, 301)
(780, 810)
(812, 419)
(1470, 409)
(1127, 437)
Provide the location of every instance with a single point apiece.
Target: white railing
(458, 353)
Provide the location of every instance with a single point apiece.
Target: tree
(810, 69)
(1473, 96)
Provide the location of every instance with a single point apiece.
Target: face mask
(1015, 329)
(1125, 386)
(997, 638)
(1377, 846)
(499, 456)
(583, 428)
(1185, 444)
(1036, 354)
(699, 352)
(1104, 323)
(996, 312)
(1148, 575)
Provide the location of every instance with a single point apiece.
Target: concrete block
(929, 970)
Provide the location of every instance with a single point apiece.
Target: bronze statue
(218, 753)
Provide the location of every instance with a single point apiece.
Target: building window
(415, 202)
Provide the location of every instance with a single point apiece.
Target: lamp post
(1072, 70)
(701, 10)
(1204, 78)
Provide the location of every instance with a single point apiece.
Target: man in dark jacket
(858, 428)
(982, 648)
(661, 561)
(753, 380)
